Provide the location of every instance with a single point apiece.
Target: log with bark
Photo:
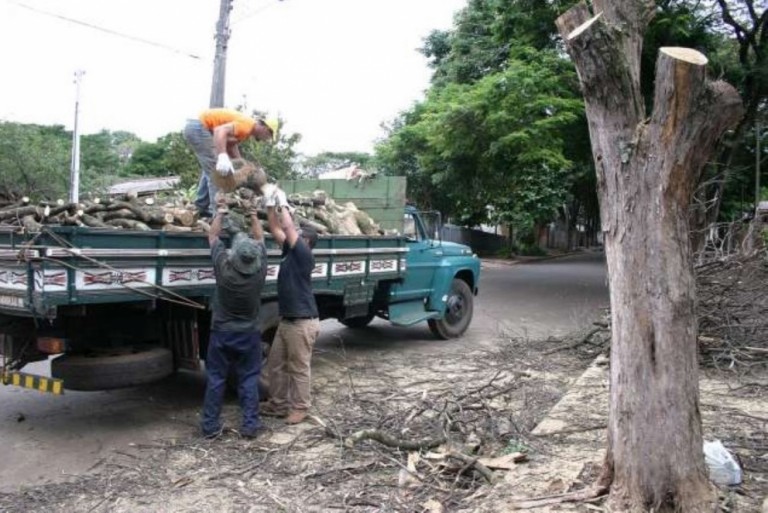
(128, 212)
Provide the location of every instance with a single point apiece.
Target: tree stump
(646, 169)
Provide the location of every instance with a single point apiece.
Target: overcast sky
(334, 69)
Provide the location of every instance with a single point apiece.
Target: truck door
(421, 261)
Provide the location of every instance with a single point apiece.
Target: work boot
(269, 409)
(296, 416)
(254, 434)
(213, 435)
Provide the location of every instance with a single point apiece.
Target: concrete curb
(526, 260)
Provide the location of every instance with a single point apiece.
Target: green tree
(496, 143)
(103, 158)
(485, 33)
(147, 160)
(501, 135)
(34, 160)
(178, 159)
(330, 160)
(745, 22)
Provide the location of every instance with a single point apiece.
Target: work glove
(281, 200)
(268, 191)
(224, 165)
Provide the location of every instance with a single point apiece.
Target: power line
(252, 12)
(105, 30)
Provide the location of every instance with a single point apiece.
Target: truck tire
(118, 368)
(357, 322)
(458, 312)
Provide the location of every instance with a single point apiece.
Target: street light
(74, 170)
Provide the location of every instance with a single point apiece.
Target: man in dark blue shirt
(235, 339)
(289, 359)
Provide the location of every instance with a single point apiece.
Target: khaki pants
(288, 364)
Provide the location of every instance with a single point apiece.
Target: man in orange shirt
(215, 137)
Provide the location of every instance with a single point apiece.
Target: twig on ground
(583, 340)
(391, 441)
(549, 500)
(473, 462)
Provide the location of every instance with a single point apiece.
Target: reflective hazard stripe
(39, 383)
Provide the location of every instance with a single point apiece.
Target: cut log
(138, 212)
(93, 209)
(181, 216)
(21, 212)
(92, 221)
(202, 226)
(174, 228)
(319, 228)
(129, 224)
(122, 213)
(30, 225)
(69, 220)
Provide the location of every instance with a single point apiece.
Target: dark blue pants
(243, 352)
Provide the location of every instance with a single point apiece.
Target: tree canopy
(494, 148)
(501, 133)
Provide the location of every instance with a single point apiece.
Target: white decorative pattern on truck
(347, 268)
(383, 266)
(15, 280)
(51, 281)
(188, 276)
(114, 279)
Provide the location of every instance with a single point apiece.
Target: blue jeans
(225, 350)
(201, 141)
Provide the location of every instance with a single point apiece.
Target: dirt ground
(542, 401)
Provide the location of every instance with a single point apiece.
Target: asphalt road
(49, 438)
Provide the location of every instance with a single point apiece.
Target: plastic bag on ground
(723, 468)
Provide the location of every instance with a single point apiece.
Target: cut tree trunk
(645, 170)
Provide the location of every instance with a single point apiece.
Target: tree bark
(646, 171)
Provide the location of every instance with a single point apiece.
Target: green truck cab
(121, 308)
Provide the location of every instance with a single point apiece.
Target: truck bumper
(33, 381)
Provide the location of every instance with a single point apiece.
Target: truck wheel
(357, 322)
(106, 369)
(458, 313)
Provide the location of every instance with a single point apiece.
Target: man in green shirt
(235, 339)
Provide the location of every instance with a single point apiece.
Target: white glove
(281, 200)
(224, 165)
(268, 193)
(268, 189)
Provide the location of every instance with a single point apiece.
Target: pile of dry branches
(443, 444)
(733, 310)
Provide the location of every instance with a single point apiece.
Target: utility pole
(74, 170)
(220, 58)
(757, 165)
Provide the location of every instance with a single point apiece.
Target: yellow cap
(274, 125)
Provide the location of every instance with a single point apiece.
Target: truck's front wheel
(458, 313)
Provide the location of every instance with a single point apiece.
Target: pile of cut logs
(130, 212)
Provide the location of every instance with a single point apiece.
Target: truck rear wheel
(458, 313)
(106, 369)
